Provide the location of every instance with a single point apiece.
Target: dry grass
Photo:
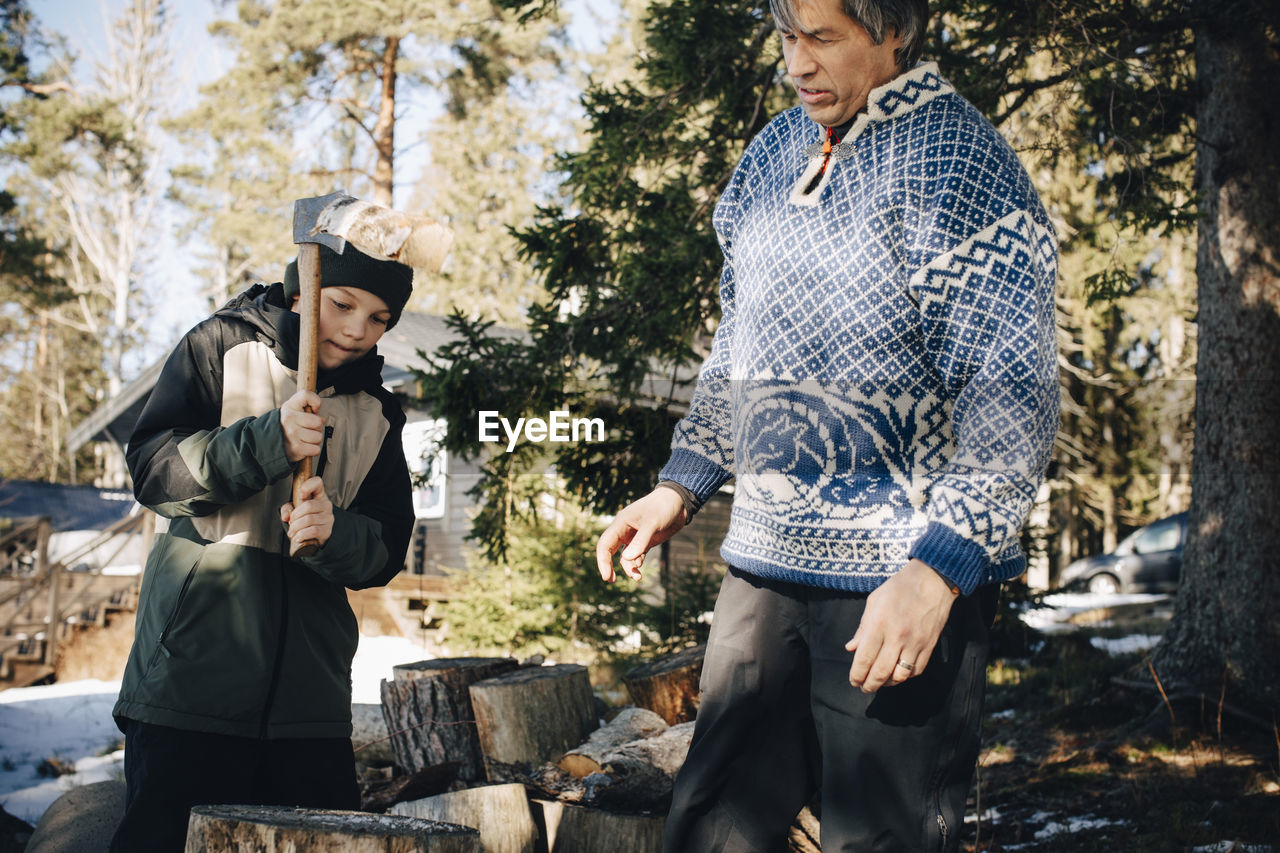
(94, 652)
(1077, 762)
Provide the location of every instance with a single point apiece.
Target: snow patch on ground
(1126, 645)
(1074, 825)
(988, 817)
(1057, 609)
(71, 722)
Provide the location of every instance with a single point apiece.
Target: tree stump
(230, 829)
(577, 829)
(500, 812)
(668, 686)
(630, 725)
(533, 715)
(428, 713)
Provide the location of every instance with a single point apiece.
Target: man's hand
(303, 426)
(900, 625)
(650, 521)
(312, 518)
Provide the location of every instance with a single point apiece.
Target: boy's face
(351, 323)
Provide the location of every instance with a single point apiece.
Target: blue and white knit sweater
(883, 382)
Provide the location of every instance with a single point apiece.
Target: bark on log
(429, 716)
(533, 715)
(230, 829)
(576, 829)
(500, 812)
(668, 686)
(630, 725)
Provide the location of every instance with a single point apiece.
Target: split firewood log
(630, 725)
(383, 794)
(639, 775)
(533, 715)
(576, 829)
(500, 812)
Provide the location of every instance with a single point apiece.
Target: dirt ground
(1083, 754)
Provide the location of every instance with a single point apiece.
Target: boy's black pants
(167, 771)
(779, 721)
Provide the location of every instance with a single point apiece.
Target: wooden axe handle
(308, 360)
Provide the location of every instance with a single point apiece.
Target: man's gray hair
(880, 18)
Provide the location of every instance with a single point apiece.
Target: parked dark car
(1147, 560)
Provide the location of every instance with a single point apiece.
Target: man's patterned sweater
(883, 382)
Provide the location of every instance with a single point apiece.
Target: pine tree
(319, 95)
(83, 173)
(1224, 635)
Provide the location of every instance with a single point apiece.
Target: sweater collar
(907, 92)
(901, 95)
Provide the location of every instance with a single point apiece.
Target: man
(883, 386)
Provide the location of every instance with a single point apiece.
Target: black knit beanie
(390, 281)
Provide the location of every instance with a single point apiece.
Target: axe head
(306, 213)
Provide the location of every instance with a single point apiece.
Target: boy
(238, 686)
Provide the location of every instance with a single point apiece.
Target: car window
(1157, 536)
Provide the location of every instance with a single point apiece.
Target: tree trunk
(533, 715)
(229, 829)
(500, 812)
(429, 715)
(577, 829)
(384, 131)
(668, 686)
(1225, 628)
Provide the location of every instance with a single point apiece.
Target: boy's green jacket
(233, 636)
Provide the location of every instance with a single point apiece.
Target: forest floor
(1082, 752)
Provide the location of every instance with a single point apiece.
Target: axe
(334, 220)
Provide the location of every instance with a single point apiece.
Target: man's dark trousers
(779, 720)
(167, 771)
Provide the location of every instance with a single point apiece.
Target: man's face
(833, 63)
(351, 323)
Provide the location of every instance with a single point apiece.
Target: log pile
(515, 753)
(546, 777)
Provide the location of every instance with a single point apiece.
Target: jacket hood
(265, 308)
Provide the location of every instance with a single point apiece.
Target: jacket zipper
(942, 828)
(280, 638)
(173, 615)
(323, 459)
